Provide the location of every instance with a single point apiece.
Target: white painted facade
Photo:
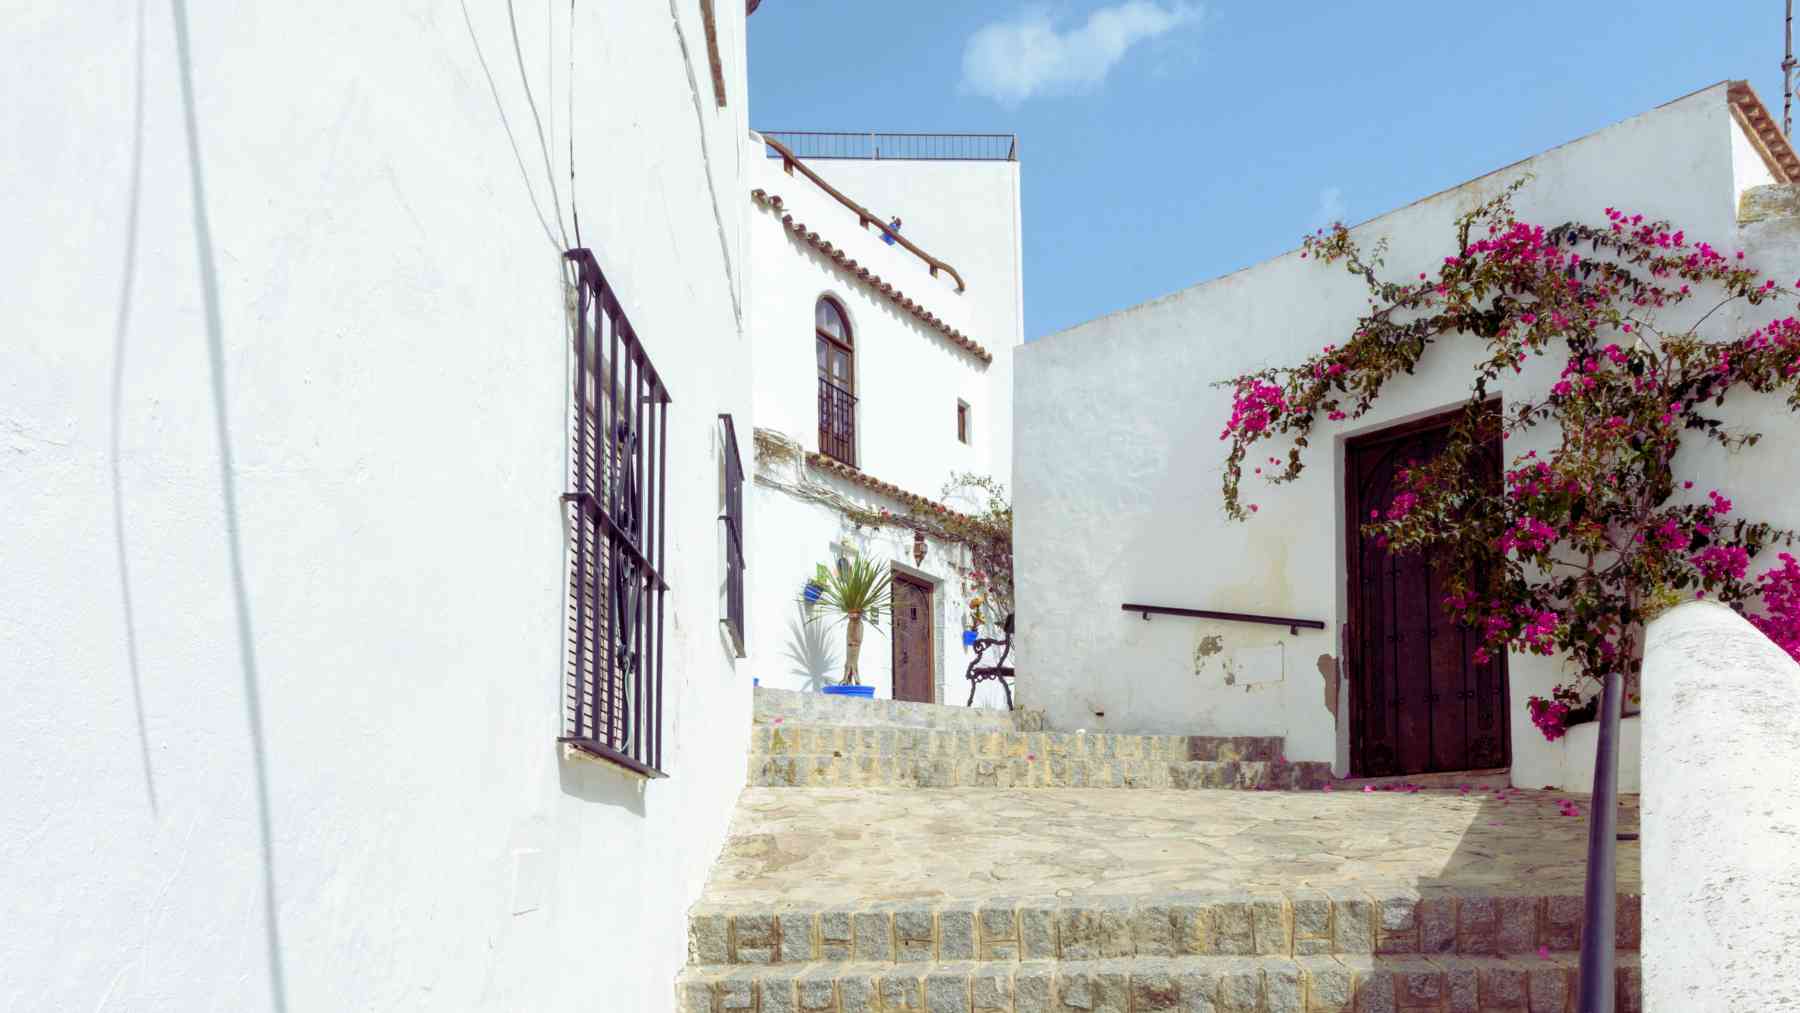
(909, 378)
(282, 573)
(1119, 460)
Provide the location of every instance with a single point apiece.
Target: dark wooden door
(1421, 702)
(912, 640)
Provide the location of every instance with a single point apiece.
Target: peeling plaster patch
(1208, 646)
(1329, 669)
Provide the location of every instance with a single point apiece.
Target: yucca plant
(855, 593)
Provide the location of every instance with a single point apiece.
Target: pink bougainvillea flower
(1368, 788)
(1544, 952)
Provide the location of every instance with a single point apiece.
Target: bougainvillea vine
(1581, 543)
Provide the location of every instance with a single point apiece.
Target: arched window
(837, 381)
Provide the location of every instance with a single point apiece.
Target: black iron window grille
(616, 507)
(837, 422)
(733, 518)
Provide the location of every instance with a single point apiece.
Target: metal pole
(1601, 901)
(1787, 76)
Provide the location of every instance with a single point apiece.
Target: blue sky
(1166, 142)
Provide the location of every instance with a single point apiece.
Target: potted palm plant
(854, 594)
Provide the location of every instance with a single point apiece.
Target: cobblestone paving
(830, 846)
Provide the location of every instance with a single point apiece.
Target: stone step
(808, 754)
(1490, 779)
(1204, 984)
(818, 708)
(922, 771)
(806, 738)
(1342, 921)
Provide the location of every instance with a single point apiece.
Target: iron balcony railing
(617, 508)
(920, 147)
(733, 518)
(837, 422)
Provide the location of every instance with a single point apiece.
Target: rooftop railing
(919, 147)
(791, 161)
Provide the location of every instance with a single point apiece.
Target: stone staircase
(813, 740)
(1026, 885)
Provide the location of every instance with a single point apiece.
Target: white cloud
(1011, 61)
(1331, 208)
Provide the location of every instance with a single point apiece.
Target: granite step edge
(1382, 919)
(928, 771)
(770, 704)
(1316, 984)
(792, 737)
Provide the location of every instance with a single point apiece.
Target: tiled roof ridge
(1765, 133)
(773, 202)
(857, 476)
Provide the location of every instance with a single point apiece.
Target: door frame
(1352, 513)
(907, 575)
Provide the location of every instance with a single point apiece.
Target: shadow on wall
(809, 650)
(122, 327)
(215, 349)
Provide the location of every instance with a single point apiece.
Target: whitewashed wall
(1119, 462)
(968, 214)
(280, 726)
(908, 377)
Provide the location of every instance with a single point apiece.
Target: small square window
(962, 421)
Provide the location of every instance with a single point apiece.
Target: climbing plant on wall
(1581, 543)
(972, 511)
(983, 527)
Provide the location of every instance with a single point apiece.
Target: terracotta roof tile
(773, 202)
(1765, 132)
(857, 476)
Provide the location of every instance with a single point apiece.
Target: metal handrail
(790, 162)
(1600, 894)
(1294, 625)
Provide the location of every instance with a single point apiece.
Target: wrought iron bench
(999, 671)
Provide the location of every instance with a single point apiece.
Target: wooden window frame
(837, 403)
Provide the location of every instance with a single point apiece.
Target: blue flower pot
(862, 691)
(969, 638)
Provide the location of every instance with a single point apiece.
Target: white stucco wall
(1119, 462)
(1581, 742)
(908, 380)
(966, 213)
(1721, 874)
(282, 734)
